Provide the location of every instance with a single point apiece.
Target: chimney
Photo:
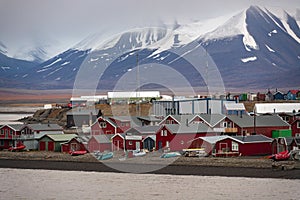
(187, 122)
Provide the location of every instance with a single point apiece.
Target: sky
(69, 21)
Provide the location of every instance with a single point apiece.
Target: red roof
(294, 91)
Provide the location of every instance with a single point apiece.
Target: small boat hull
(170, 155)
(284, 155)
(105, 156)
(18, 148)
(77, 153)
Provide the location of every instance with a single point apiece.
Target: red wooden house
(117, 142)
(177, 119)
(133, 142)
(100, 143)
(295, 126)
(249, 125)
(10, 135)
(103, 126)
(234, 145)
(253, 145)
(174, 137)
(75, 144)
(123, 123)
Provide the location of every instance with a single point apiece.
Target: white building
(263, 108)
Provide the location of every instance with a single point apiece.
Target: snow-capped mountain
(257, 48)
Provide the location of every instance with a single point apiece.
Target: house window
(6, 131)
(163, 133)
(225, 124)
(130, 143)
(297, 134)
(11, 132)
(122, 124)
(2, 132)
(102, 124)
(298, 124)
(234, 146)
(1, 142)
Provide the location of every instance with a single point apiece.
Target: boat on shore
(284, 155)
(138, 153)
(77, 153)
(17, 148)
(105, 156)
(170, 155)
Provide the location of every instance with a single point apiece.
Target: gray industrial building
(190, 106)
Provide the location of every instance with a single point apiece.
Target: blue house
(292, 94)
(278, 96)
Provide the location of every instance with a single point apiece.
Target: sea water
(53, 184)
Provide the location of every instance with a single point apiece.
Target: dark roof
(261, 121)
(134, 121)
(103, 139)
(191, 128)
(82, 111)
(44, 127)
(147, 130)
(252, 138)
(150, 118)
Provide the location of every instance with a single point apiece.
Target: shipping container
(281, 133)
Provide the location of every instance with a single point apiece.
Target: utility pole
(137, 85)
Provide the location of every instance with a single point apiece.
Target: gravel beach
(258, 167)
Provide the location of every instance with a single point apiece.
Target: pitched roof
(150, 118)
(44, 127)
(261, 121)
(212, 139)
(148, 130)
(134, 121)
(191, 128)
(211, 119)
(83, 111)
(60, 137)
(153, 137)
(103, 139)
(15, 127)
(293, 91)
(252, 138)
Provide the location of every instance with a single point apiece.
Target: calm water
(9, 118)
(50, 184)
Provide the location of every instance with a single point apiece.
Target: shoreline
(229, 167)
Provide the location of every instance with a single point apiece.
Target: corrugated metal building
(189, 106)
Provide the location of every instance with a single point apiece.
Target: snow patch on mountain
(234, 26)
(56, 61)
(249, 59)
(269, 48)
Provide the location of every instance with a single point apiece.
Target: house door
(137, 146)
(159, 145)
(50, 146)
(223, 147)
(73, 147)
(116, 146)
(42, 146)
